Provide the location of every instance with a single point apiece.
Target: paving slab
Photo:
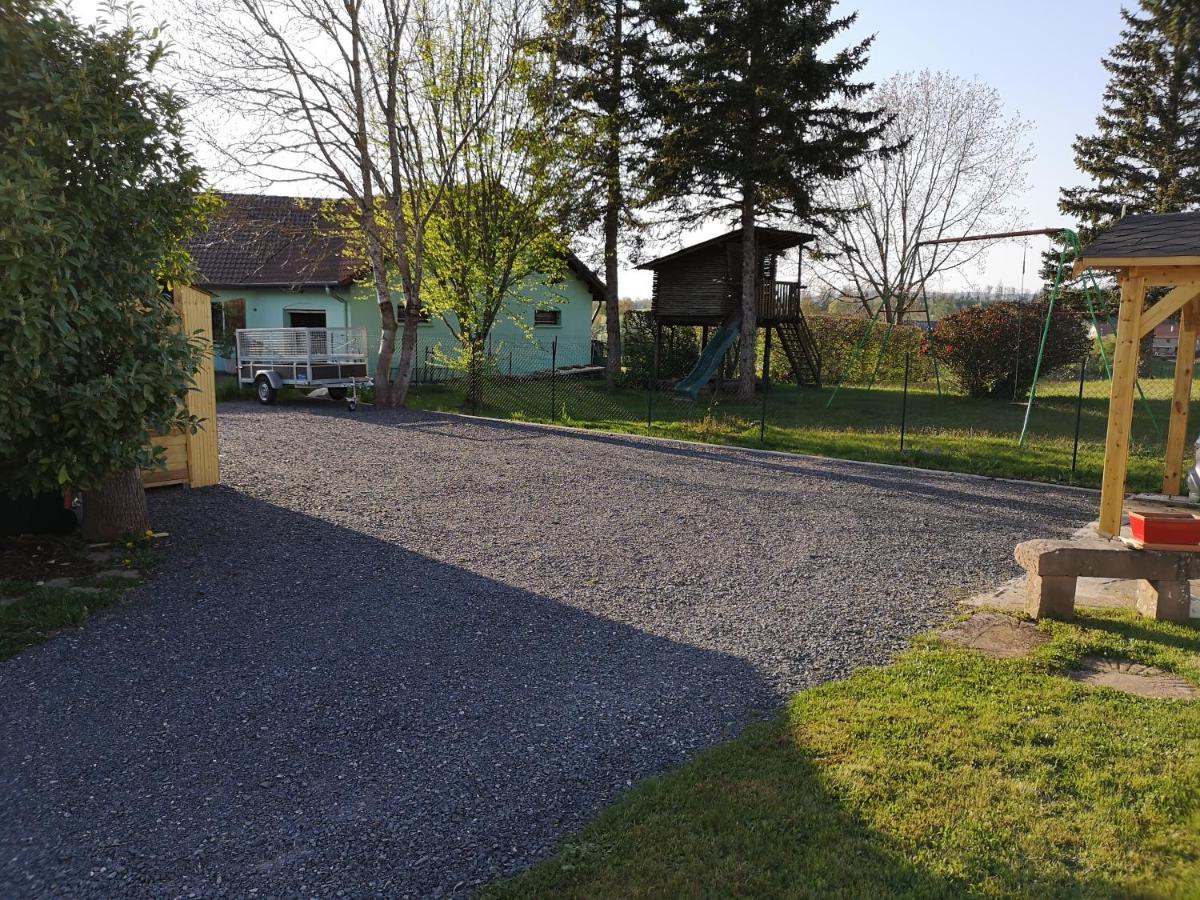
(996, 634)
(1134, 678)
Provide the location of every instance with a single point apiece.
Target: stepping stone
(996, 634)
(103, 554)
(58, 583)
(1133, 678)
(127, 574)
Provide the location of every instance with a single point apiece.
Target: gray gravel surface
(405, 654)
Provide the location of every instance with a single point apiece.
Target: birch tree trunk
(408, 352)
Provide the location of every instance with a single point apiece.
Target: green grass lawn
(948, 431)
(39, 613)
(32, 612)
(946, 774)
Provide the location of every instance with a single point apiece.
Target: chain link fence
(897, 403)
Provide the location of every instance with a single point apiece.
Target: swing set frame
(1069, 252)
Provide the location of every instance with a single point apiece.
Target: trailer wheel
(352, 404)
(337, 393)
(266, 393)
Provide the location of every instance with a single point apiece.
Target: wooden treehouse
(702, 285)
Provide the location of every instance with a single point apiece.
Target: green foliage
(993, 349)
(489, 252)
(96, 193)
(679, 352)
(596, 48)
(881, 356)
(749, 111)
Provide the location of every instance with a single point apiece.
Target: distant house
(1166, 340)
(277, 262)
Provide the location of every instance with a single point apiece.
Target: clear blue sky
(1043, 56)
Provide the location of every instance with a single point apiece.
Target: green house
(276, 262)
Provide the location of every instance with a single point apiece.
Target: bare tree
(959, 169)
(335, 92)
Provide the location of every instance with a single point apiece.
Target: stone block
(1050, 596)
(1166, 601)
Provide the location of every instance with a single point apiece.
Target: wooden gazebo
(1147, 253)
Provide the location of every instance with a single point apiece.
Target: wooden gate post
(1120, 404)
(1185, 363)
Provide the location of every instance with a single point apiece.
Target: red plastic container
(1177, 529)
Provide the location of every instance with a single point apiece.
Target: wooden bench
(1054, 567)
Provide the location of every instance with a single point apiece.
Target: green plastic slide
(710, 359)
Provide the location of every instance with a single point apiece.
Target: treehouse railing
(779, 301)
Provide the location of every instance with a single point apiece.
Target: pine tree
(597, 47)
(751, 119)
(1145, 154)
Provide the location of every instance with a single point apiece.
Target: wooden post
(1120, 404)
(203, 466)
(1185, 363)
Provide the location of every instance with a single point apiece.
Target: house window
(306, 318)
(547, 317)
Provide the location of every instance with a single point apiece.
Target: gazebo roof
(775, 240)
(1166, 239)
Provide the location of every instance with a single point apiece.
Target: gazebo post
(1185, 362)
(1120, 404)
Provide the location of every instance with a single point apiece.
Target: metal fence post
(554, 380)
(1078, 414)
(653, 377)
(904, 402)
(762, 417)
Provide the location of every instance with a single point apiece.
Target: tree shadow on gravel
(299, 708)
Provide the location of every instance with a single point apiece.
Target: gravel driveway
(404, 654)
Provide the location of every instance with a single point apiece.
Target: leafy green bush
(993, 349)
(679, 352)
(836, 337)
(96, 193)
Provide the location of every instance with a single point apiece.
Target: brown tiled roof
(261, 241)
(1152, 235)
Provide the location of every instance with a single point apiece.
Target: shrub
(679, 352)
(992, 349)
(97, 192)
(836, 337)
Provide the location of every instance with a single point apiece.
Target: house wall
(511, 347)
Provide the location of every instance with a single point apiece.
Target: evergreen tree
(1145, 154)
(597, 47)
(750, 118)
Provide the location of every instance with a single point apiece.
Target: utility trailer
(332, 358)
